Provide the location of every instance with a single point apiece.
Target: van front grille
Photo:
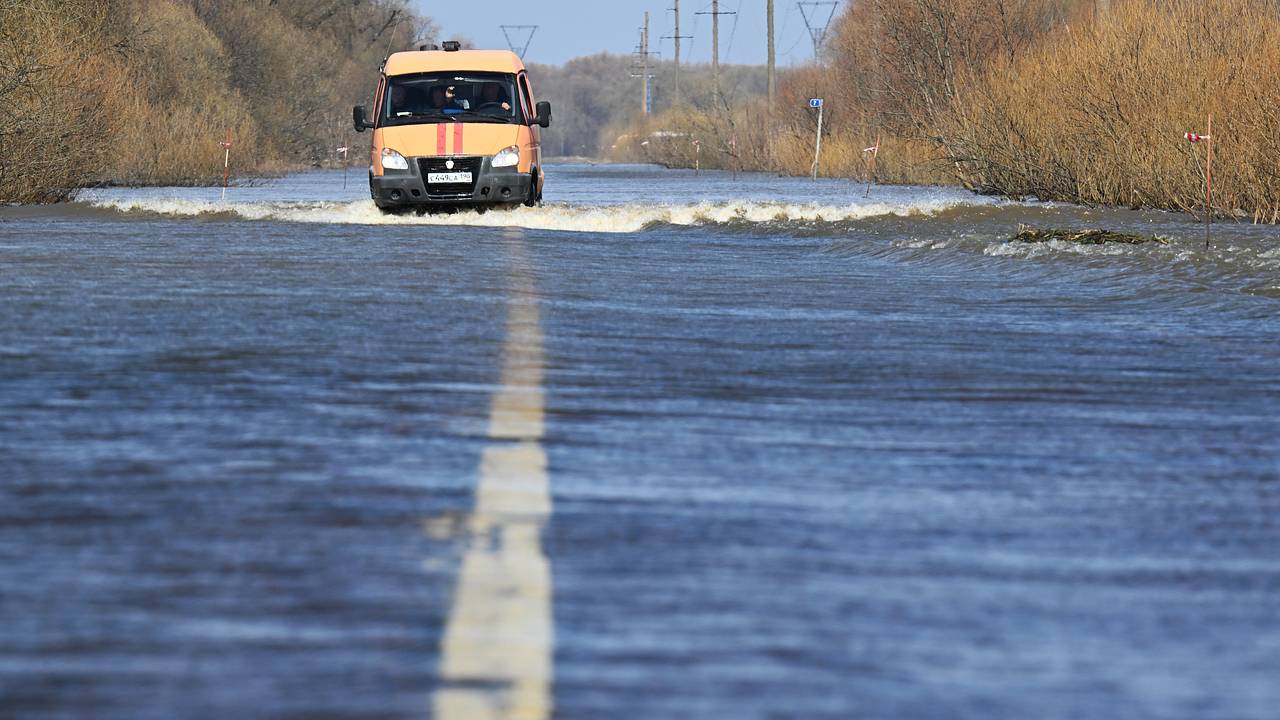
(450, 191)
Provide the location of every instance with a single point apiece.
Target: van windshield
(452, 96)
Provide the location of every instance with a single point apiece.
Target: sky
(573, 28)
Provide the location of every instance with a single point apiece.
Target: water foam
(1043, 249)
(563, 217)
(1270, 258)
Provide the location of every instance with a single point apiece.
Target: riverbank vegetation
(1054, 99)
(143, 91)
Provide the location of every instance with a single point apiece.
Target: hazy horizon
(615, 28)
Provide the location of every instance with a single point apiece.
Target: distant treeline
(142, 91)
(595, 98)
(1059, 99)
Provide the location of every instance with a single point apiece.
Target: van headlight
(507, 157)
(392, 160)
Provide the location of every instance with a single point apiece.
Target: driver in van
(493, 96)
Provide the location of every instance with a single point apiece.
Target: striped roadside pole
(226, 164)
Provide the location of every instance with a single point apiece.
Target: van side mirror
(359, 120)
(544, 114)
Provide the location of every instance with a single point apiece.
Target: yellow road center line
(496, 655)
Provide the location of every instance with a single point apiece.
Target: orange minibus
(454, 127)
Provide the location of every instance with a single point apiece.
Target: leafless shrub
(1096, 113)
(53, 136)
(142, 91)
(1037, 98)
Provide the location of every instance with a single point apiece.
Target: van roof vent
(451, 46)
(429, 46)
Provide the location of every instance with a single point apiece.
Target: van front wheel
(534, 197)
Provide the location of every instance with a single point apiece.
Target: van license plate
(453, 178)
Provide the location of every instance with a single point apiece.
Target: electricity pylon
(817, 32)
(508, 29)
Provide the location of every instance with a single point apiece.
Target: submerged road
(672, 446)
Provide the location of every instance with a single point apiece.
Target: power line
(693, 41)
(733, 31)
(799, 33)
(782, 34)
(508, 29)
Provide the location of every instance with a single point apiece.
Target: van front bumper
(409, 188)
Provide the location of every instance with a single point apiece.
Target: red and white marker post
(733, 153)
(343, 152)
(226, 164)
(1207, 139)
(874, 150)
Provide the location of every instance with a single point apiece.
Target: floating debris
(1084, 237)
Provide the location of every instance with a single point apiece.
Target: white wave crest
(1042, 249)
(569, 218)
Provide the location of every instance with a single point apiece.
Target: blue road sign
(815, 102)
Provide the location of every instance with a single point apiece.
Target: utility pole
(677, 38)
(644, 55)
(715, 44)
(508, 29)
(817, 32)
(773, 84)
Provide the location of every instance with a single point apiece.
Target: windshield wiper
(453, 116)
(456, 116)
(481, 115)
(432, 114)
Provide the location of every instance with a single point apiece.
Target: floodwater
(671, 446)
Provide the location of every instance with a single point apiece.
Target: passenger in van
(445, 99)
(399, 95)
(407, 100)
